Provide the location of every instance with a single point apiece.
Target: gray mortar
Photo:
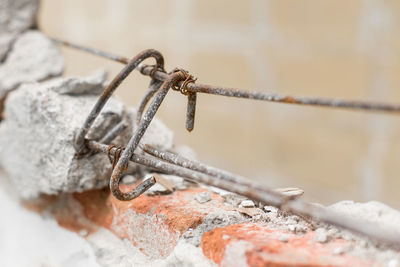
(16, 16)
(211, 221)
(33, 57)
(36, 138)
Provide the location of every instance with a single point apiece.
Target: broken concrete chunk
(36, 138)
(163, 185)
(87, 85)
(247, 204)
(321, 235)
(15, 17)
(33, 57)
(39, 129)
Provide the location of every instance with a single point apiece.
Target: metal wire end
(122, 163)
(191, 111)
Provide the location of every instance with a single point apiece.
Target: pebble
(342, 250)
(233, 199)
(284, 238)
(297, 228)
(247, 204)
(292, 228)
(321, 235)
(83, 232)
(225, 237)
(203, 197)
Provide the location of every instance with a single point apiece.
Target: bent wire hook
(174, 164)
(122, 163)
(79, 143)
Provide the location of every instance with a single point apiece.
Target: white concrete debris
(373, 211)
(36, 138)
(211, 221)
(30, 239)
(16, 16)
(85, 85)
(203, 197)
(247, 204)
(45, 243)
(113, 252)
(321, 235)
(33, 57)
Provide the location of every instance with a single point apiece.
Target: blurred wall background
(332, 48)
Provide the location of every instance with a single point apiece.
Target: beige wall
(332, 48)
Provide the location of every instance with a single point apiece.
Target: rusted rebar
(169, 163)
(134, 141)
(93, 51)
(113, 133)
(234, 92)
(191, 111)
(267, 197)
(133, 63)
(153, 88)
(200, 167)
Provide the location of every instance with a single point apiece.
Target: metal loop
(128, 152)
(80, 137)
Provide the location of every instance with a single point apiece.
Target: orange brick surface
(155, 224)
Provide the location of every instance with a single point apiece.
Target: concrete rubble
(33, 57)
(39, 129)
(135, 238)
(16, 16)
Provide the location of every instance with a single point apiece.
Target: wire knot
(188, 79)
(114, 157)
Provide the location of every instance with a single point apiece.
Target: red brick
(268, 250)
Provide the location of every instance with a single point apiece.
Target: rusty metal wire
(170, 163)
(113, 133)
(132, 64)
(238, 93)
(264, 195)
(138, 134)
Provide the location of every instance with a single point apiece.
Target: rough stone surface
(45, 243)
(176, 230)
(33, 57)
(85, 85)
(257, 245)
(40, 125)
(373, 211)
(15, 17)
